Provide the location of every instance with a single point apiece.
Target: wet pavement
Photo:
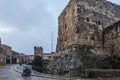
(8, 73)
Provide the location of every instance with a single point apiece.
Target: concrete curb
(15, 69)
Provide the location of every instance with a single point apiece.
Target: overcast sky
(28, 23)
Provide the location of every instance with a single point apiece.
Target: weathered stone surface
(67, 26)
(82, 22)
(86, 34)
(38, 51)
(111, 39)
(95, 73)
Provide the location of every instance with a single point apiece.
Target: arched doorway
(14, 60)
(7, 59)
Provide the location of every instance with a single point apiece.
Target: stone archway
(8, 59)
(14, 60)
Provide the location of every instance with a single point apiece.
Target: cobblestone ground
(7, 73)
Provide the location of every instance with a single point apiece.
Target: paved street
(7, 73)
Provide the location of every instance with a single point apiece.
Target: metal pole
(52, 43)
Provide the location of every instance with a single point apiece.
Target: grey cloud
(22, 14)
(33, 20)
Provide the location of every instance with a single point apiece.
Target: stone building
(87, 30)
(7, 55)
(23, 58)
(111, 39)
(10, 56)
(1, 55)
(46, 56)
(7, 51)
(38, 51)
(30, 58)
(16, 57)
(82, 22)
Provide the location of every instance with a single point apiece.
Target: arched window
(92, 38)
(87, 19)
(65, 26)
(99, 23)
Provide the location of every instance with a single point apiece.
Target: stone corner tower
(38, 51)
(82, 22)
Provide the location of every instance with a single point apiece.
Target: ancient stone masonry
(38, 51)
(111, 39)
(82, 22)
(67, 26)
(87, 31)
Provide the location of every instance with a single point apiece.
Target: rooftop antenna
(52, 43)
(0, 46)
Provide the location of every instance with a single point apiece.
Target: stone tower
(87, 30)
(82, 22)
(38, 51)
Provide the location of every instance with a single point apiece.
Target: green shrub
(2, 63)
(37, 64)
(37, 61)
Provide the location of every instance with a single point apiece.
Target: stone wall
(81, 61)
(96, 73)
(82, 22)
(38, 51)
(66, 26)
(7, 52)
(103, 7)
(84, 33)
(111, 39)
(62, 61)
(72, 60)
